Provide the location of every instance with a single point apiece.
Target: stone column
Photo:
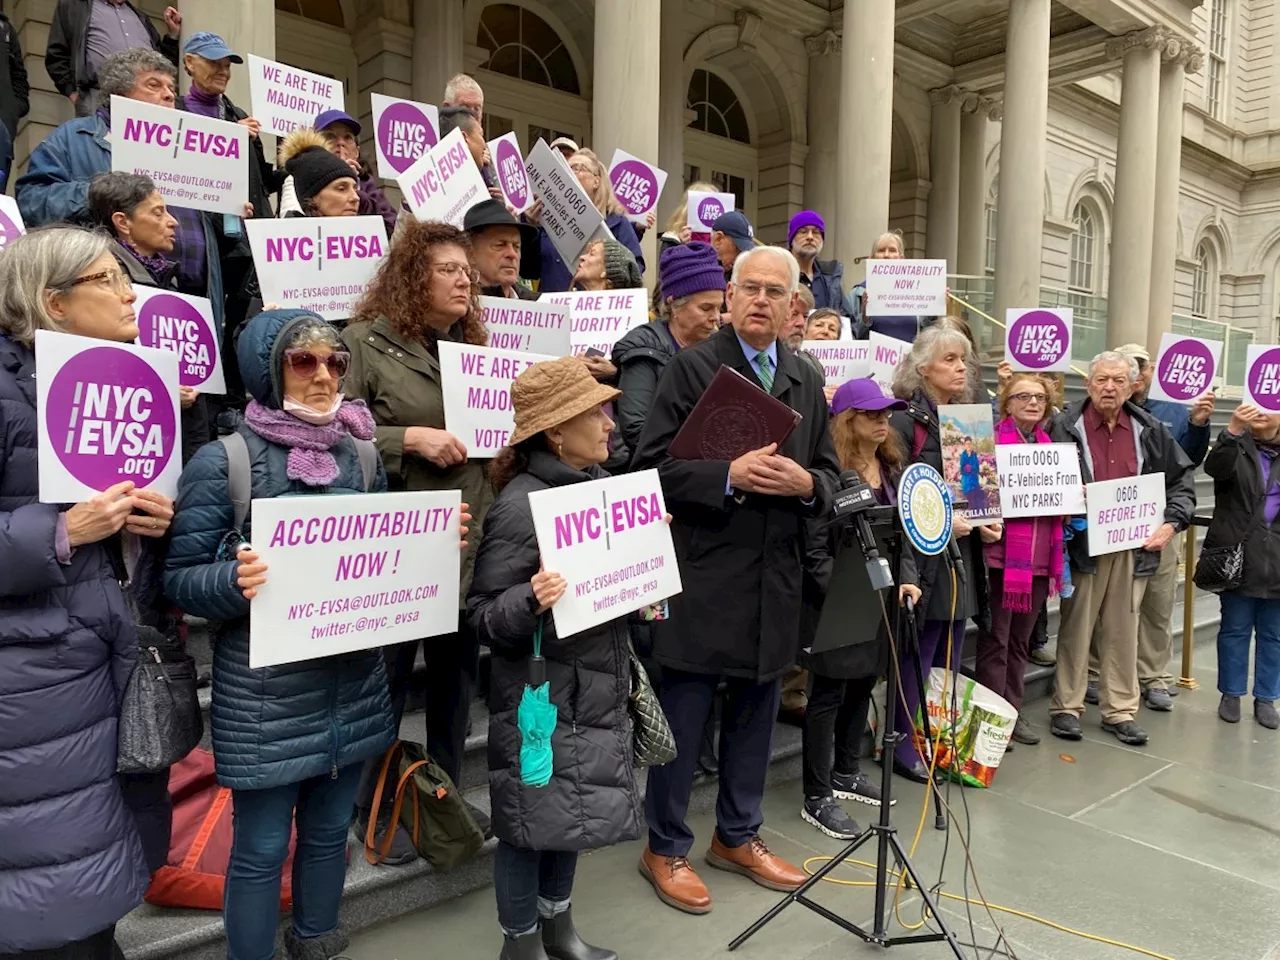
(1129, 291)
(248, 26)
(1179, 59)
(944, 173)
(437, 47)
(865, 130)
(821, 166)
(971, 232)
(1020, 206)
(672, 89)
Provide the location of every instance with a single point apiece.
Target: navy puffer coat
(71, 863)
(282, 724)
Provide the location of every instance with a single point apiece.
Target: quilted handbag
(1220, 568)
(650, 733)
(160, 720)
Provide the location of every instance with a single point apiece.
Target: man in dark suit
(739, 535)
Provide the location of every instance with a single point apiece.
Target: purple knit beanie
(805, 218)
(689, 268)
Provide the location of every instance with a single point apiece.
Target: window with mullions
(1216, 80)
(716, 108)
(1083, 247)
(523, 45)
(1201, 281)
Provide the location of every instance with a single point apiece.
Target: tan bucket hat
(552, 392)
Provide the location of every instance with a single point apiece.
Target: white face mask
(310, 414)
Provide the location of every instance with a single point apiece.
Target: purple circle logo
(1038, 339)
(710, 210)
(1264, 380)
(170, 323)
(1185, 370)
(9, 230)
(515, 184)
(110, 418)
(404, 134)
(636, 187)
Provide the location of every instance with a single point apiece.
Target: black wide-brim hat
(494, 213)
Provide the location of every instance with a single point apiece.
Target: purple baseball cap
(863, 394)
(330, 117)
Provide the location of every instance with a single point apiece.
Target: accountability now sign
(568, 215)
(444, 183)
(842, 360)
(348, 573)
(1262, 378)
(530, 325)
(704, 209)
(184, 326)
(11, 225)
(1123, 513)
(195, 162)
(403, 130)
(1185, 368)
(1039, 480)
(906, 288)
(636, 184)
(610, 542)
(476, 382)
(321, 264)
(285, 98)
(1038, 340)
(885, 354)
(108, 414)
(599, 319)
(513, 181)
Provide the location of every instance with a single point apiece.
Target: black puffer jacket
(592, 798)
(1238, 504)
(640, 357)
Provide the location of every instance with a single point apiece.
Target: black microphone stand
(882, 831)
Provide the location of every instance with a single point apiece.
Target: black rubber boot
(562, 942)
(527, 947)
(326, 947)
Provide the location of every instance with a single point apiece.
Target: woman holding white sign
(561, 437)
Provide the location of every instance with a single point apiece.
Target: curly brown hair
(401, 289)
(1053, 388)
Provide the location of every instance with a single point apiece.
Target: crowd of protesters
(323, 410)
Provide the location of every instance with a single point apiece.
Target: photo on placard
(969, 460)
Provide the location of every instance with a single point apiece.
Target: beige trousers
(1111, 598)
(1155, 623)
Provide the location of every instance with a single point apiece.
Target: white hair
(786, 256)
(457, 84)
(1115, 357)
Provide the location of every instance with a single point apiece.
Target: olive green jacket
(399, 379)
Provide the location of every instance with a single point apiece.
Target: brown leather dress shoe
(754, 861)
(675, 883)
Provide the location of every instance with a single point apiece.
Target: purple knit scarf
(1019, 539)
(310, 456)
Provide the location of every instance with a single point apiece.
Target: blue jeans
(262, 822)
(1241, 617)
(529, 884)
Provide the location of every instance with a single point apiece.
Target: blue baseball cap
(737, 227)
(863, 394)
(211, 47)
(330, 117)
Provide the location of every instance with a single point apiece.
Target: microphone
(852, 500)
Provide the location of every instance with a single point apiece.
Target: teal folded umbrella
(536, 719)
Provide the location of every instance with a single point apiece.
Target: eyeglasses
(305, 363)
(581, 168)
(112, 280)
(454, 269)
(753, 290)
(873, 414)
(1037, 398)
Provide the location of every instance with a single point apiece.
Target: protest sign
(969, 460)
(906, 288)
(1123, 513)
(513, 181)
(530, 325)
(599, 319)
(609, 541)
(885, 354)
(11, 225)
(195, 162)
(322, 264)
(1038, 340)
(182, 325)
(568, 215)
(1262, 377)
(705, 208)
(108, 413)
(636, 184)
(348, 573)
(444, 183)
(842, 360)
(403, 130)
(476, 382)
(284, 98)
(1185, 368)
(1039, 480)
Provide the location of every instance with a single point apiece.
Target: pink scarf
(1019, 539)
(311, 458)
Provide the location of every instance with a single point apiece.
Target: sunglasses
(305, 363)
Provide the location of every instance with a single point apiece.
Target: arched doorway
(717, 141)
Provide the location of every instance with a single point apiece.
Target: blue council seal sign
(924, 503)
